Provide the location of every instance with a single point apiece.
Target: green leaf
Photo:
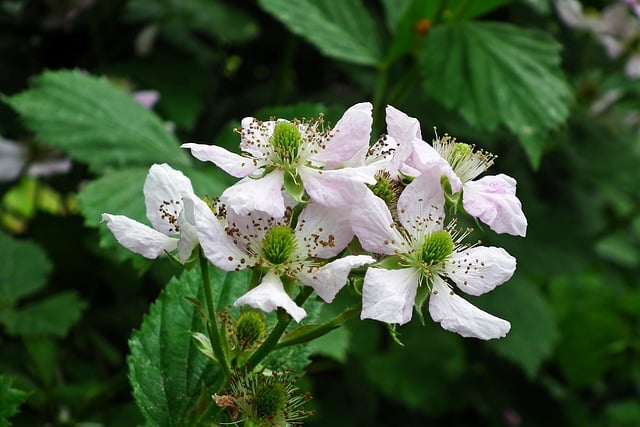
(533, 333)
(52, 316)
(429, 350)
(10, 400)
(497, 74)
(341, 29)
(216, 19)
(95, 122)
(24, 268)
(594, 329)
(166, 369)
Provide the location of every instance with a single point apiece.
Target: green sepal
(293, 185)
(308, 333)
(190, 262)
(203, 343)
(421, 296)
(394, 334)
(393, 262)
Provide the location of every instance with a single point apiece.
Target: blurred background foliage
(79, 128)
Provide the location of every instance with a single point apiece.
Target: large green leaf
(52, 316)
(497, 74)
(24, 268)
(341, 29)
(10, 400)
(166, 369)
(95, 122)
(534, 332)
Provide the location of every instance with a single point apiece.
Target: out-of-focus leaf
(429, 350)
(217, 19)
(52, 316)
(24, 268)
(10, 400)
(592, 328)
(166, 369)
(341, 29)
(533, 333)
(624, 413)
(95, 122)
(497, 74)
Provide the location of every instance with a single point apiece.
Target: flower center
(250, 328)
(270, 399)
(279, 244)
(466, 162)
(286, 141)
(436, 248)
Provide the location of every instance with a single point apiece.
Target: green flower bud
(251, 327)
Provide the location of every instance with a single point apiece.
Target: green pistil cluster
(386, 189)
(270, 399)
(286, 141)
(279, 244)
(436, 249)
(465, 160)
(251, 327)
(460, 153)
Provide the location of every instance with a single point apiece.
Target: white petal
(139, 238)
(188, 230)
(400, 126)
(11, 159)
(425, 158)
(372, 223)
(255, 136)
(332, 277)
(164, 189)
(389, 295)
(421, 205)
(492, 199)
(348, 141)
(231, 163)
(269, 295)
(339, 187)
(257, 194)
(455, 314)
(480, 269)
(217, 245)
(323, 232)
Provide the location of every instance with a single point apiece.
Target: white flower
(327, 164)
(173, 223)
(423, 257)
(491, 199)
(299, 252)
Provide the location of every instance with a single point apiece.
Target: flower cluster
(316, 204)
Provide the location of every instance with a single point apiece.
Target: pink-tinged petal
(421, 205)
(139, 238)
(339, 187)
(188, 231)
(492, 199)
(332, 277)
(372, 223)
(457, 315)
(425, 157)
(232, 163)
(146, 98)
(401, 126)
(480, 269)
(389, 295)
(255, 136)
(164, 189)
(269, 295)
(323, 232)
(257, 194)
(348, 141)
(216, 244)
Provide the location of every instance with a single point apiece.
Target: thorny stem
(212, 324)
(272, 340)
